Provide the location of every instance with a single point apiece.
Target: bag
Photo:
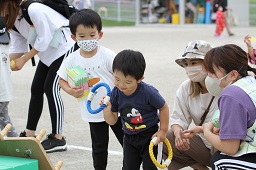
(61, 6)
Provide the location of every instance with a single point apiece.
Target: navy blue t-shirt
(138, 111)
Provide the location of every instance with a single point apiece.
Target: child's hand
(108, 105)
(161, 135)
(77, 92)
(247, 40)
(191, 132)
(216, 131)
(208, 126)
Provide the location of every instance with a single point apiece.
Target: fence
(252, 14)
(117, 10)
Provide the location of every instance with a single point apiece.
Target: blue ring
(93, 91)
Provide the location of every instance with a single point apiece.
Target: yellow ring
(167, 162)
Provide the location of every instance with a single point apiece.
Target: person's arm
(20, 59)
(228, 146)
(191, 132)
(109, 116)
(77, 92)
(248, 43)
(164, 124)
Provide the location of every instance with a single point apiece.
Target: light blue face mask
(213, 85)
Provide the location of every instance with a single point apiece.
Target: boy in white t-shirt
(96, 61)
(5, 80)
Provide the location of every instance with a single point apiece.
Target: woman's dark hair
(9, 10)
(229, 57)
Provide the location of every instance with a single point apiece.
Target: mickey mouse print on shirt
(133, 120)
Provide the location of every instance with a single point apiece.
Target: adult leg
(198, 153)
(227, 25)
(5, 119)
(117, 129)
(52, 91)
(244, 162)
(55, 141)
(37, 98)
(100, 138)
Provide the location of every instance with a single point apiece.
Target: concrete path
(160, 45)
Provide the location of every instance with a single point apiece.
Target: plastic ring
(93, 93)
(167, 162)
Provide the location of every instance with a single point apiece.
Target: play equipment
(77, 77)
(93, 93)
(215, 118)
(27, 148)
(167, 162)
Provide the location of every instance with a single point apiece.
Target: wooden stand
(26, 147)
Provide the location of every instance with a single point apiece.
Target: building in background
(181, 12)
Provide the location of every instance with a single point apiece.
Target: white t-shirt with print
(98, 66)
(5, 75)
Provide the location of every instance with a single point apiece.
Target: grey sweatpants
(198, 153)
(5, 119)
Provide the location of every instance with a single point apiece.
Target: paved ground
(160, 46)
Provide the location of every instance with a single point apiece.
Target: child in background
(5, 80)
(251, 50)
(50, 40)
(96, 61)
(138, 104)
(220, 22)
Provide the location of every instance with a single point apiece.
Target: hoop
(93, 93)
(167, 162)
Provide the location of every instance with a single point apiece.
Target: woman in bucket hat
(192, 103)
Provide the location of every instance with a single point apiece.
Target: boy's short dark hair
(86, 17)
(130, 63)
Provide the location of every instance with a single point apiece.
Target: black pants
(225, 162)
(136, 150)
(46, 81)
(100, 138)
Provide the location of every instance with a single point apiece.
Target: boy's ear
(100, 34)
(73, 37)
(140, 79)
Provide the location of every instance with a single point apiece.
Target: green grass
(110, 23)
(252, 1)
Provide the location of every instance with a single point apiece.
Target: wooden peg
(41, 135)
(5, 131)
(59, 165)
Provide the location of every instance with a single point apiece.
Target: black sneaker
(23, 134)
(52, 144)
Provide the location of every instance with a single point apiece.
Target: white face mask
(213, 85)
(196, 73)
(88, 45)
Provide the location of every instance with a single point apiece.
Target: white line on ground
(90, 149)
